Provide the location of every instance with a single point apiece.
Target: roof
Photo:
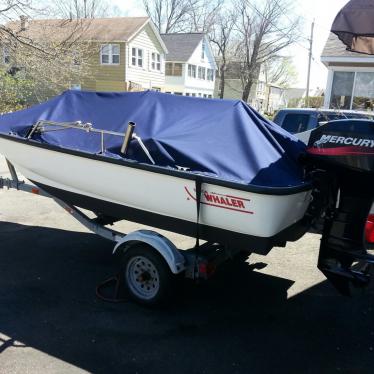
(97, 29)
(335, 48)
(181, 45)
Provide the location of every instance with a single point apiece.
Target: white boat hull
(154, 194)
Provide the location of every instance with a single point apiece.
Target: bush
(15, 91)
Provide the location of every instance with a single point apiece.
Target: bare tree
(263, 31)
(280, 71)
(221, 38)
(78, 9)
(50, 53)
(170, 15)
(204, 14)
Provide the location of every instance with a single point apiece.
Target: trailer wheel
(146, 276)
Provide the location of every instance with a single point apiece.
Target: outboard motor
(344, 152)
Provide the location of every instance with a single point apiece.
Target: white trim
(151, 61)
(353, 89)
(137, 58)
(368, 69)
(330, 77)
(207, 44)
(363, 60)
(201, 68)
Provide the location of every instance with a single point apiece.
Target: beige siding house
(125, 53)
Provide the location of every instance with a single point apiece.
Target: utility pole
(309, 64)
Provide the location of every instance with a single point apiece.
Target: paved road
(284, 318)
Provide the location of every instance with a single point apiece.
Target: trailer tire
(146, 276)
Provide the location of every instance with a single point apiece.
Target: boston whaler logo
(221, 201)
(358, 142)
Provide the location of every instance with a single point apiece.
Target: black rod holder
(128, 136)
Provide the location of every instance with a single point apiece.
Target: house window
(341, 93)
(193, 94)
(178, 93)
(173, 69)
(192, 71)
(169, 68)
(363, 95)
(6, 55)
(156, 61)
(137, 57)
(177, 70)
(201, 73)
(209, 96)
(187, 94)
(210, 75)
(109, 54)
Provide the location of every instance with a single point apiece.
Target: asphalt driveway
(284, 318)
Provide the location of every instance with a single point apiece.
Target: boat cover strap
(198, 203)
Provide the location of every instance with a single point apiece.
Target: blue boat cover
(223, 139)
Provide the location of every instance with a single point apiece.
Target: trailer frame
(198, 262)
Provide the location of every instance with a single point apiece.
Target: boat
(81, 148)
(210, 169)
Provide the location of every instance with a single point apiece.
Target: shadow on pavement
(239, 322)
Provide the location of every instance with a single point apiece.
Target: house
(265, 97)
(296, 97)
(275, 98)
(126, 53)
(350, 82)
(293, 96)
(190, 65)
(234, 88)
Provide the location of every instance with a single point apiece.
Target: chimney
(23, 22)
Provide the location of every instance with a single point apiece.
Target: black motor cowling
(344, 151)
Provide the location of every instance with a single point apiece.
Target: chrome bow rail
(41, 127)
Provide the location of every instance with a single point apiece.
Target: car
(302, 121)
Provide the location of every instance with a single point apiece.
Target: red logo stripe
(218, 206)
(341, 151)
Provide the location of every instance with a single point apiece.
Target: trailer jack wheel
(146, 276)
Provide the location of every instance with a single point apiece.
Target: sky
(322, 11)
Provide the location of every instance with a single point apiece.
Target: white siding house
(350, 82)
(190, 65)
(145, 63)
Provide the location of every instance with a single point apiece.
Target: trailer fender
(162, 245)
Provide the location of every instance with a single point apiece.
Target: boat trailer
(149, 262)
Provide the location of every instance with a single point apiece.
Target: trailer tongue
(344, 151)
